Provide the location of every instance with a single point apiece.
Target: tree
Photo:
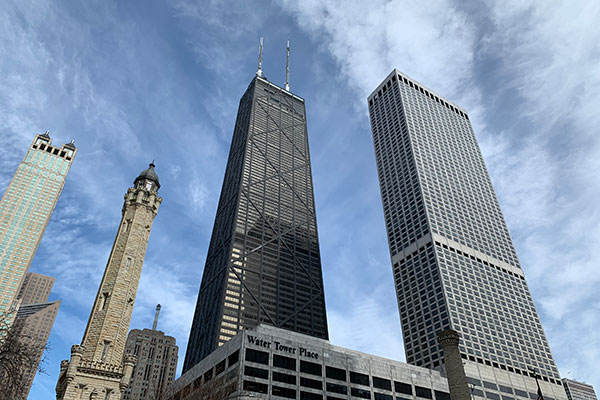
(19, 353)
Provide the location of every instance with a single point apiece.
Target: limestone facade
(98, 368)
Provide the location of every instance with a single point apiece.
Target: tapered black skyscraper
(263, 263)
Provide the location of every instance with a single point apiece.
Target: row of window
(338, 374)
(504, 390)
(290, 393)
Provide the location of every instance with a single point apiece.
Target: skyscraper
(36, 317)
(454, 262)
(25, 210)
(578, 390)
(35, 288)
(156, 362)
(263, 263)
(98, 367)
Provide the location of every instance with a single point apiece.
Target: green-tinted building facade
(25, 210)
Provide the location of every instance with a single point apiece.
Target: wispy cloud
(164, 83)
(535, 118)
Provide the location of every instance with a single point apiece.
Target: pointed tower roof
(149, 174)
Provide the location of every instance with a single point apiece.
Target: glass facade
(454, 262)
(25, 210)
(263, 263)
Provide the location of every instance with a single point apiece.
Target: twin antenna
(259, 73)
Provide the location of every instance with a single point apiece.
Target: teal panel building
(25, 210)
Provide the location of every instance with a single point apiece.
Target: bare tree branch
(19, 353)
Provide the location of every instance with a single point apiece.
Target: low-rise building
(268, 362)
(578, 390)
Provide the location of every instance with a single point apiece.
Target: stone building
(37, 320)
(98, 368)
(35, 288)
(578, 390)
(268, 362)
(36, 316)
(156, 362)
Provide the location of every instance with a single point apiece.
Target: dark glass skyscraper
(263, 263)
(453, 260)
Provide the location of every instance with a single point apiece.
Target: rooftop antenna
(287, 67)
(156, 317)
(259, 73)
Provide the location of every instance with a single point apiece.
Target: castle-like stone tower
(98, 369)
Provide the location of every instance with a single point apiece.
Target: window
(285, 378)
(311, 383)
(283, 392)
(423, 392)
(381, 383)
(284, 362)
(105, 349)
(363, 394)
(219, 368)
(233, 358)
(493, 396)
(505, 389)
(490, 385)
(335, 388)
(310, 368)
(441, 395)
(256, 356)
(310, 396)
(361, 379)
(127, 261)
(208, 375)
(521, 393)
(381, 396)
(474, 381)
(335, 373)
(256, 372)
(103, 300)
(257, 387)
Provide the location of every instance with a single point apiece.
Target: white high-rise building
(453, 260)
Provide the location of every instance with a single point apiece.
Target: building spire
(259, 73)
(287, 67)
(156, 317)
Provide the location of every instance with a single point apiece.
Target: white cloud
(551, 58)
(544, 58)
(163, 284)
(434, 44)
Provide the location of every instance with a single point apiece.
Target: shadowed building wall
(263, 263)
(156, 362)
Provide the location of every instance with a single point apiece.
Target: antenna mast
(287, 67)
(259, 73)
(156, 317)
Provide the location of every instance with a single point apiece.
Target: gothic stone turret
(98, 368)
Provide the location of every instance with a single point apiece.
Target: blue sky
(136, 81)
